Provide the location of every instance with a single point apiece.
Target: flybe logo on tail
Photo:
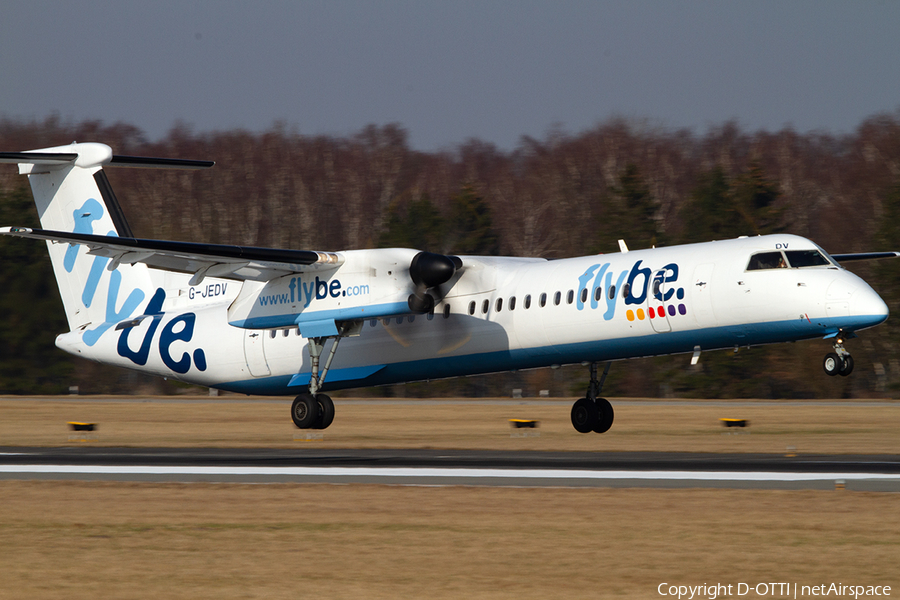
(635, 285)
(84, 217)
(180, 328)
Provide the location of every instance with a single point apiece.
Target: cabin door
(255, 352)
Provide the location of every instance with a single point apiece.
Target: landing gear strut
(838, 362)
(592, 413)
(314, 410)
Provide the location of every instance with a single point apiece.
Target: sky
(449, 71)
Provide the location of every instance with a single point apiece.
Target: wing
(202, 260)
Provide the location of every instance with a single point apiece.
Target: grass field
(862, 427)
(133, 540)
(100, 540)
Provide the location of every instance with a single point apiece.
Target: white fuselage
(496, 314)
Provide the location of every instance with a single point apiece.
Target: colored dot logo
(657, 312)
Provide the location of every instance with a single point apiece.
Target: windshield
(766, 260)
(795, 259)
(806, 258)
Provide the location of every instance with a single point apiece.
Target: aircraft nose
(867, 307)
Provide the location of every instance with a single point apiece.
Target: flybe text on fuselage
(300, 291)
(637, 283)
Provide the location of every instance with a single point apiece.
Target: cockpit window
(766, 260)
(806, 258)
(795, 259)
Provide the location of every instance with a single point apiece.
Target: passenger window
(766, 260)
(598, 292)
(512, 303)
(446, 311)
(499, 304)
(385, 322)
(656, 286)
(626, 289)
(399, 320)
(584, 295)
(485, 305)
(527, 301)
(373, 322)
(806, 258)
(543, 300)
(411, 318)
(285, 333)
(557, 297)
(612, 292)
(472, 307)
(570, 297)
(272, 333)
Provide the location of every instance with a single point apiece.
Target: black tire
(326, 411)
(304, 411)
(606, 416)
(584, 415)
(848, 366)
(832, 364)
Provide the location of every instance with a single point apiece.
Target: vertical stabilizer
(72, 194)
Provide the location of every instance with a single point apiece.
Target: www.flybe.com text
(306, 292)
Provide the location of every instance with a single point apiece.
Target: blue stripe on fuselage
(657, 344)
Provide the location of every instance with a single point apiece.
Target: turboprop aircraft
(259, 320)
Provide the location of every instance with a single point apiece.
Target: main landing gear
(592, 413)
(314, 410)
(838, 362)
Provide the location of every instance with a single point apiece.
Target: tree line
(563, 195)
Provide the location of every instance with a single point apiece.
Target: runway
(446, 468)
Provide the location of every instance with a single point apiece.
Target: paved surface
(442, 467)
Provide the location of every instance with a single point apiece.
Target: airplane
(298, 322)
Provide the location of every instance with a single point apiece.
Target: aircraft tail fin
(72, 194)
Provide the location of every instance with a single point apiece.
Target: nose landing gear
(838, 362)
(592, 413)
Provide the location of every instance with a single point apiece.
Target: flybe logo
(640, 286)
(317, 289)
(180, 328)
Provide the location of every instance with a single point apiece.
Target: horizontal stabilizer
(864, 256)
(38, 158)
(213, 260)
(159, 163)
(97, 155)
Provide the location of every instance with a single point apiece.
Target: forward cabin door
(656, 303)
(701, 296)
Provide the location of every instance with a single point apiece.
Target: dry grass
(810, 428)
(131, 540)
(102, 540)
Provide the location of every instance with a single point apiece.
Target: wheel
(832, 364)
(326, 411)
(584, 415)
(606, 416)
(304, 411)
(848, 366)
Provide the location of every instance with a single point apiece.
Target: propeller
(429, 270)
